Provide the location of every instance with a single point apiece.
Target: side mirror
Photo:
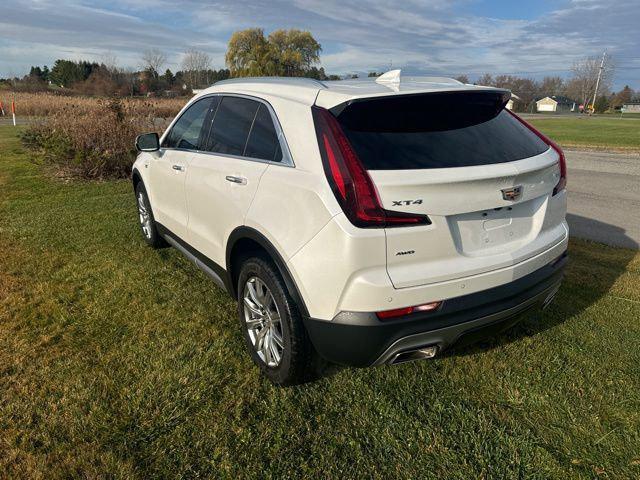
(148, 142)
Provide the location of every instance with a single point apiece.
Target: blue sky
(452, 37)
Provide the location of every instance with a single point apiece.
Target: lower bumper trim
(361, 339)
(473, 330)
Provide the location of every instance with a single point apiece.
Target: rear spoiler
(429, 111)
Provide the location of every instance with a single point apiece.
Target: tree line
(580, 87)
(283, 52)
(530, 90)
(107, 79)
(292, 53)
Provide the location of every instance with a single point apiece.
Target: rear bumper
(360, 339)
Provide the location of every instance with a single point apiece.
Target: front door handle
(239, 180)
(179, 168)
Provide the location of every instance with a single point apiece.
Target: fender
(135, 173)
(243, 232)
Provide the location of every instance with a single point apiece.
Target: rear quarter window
(263, 140)
(231, 125)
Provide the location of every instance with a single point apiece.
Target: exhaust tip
(413, 355)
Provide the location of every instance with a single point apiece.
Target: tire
(146, 219)
(295, 362)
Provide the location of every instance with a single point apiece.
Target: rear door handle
(179, 168)
(239, 180)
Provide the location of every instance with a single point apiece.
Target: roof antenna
(392, 76)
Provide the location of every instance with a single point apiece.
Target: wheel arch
(136, 178)
(244, 240)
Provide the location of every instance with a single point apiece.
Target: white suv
(367, 221)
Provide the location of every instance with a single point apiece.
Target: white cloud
(423, 35)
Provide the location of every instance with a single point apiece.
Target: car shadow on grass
(591, 272)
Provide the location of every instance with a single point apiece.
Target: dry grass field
(87, 137)
(45, 104)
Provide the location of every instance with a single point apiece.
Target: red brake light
(401, 312)
(562, 183)
(350, 181)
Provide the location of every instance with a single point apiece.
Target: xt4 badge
(402, 203)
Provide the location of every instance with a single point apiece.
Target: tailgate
(483, 178)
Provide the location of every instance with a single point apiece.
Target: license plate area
(496, 230)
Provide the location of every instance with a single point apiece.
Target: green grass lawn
(118, 361)
(592, 132)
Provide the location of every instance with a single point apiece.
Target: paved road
(7, 120)
(604, 197)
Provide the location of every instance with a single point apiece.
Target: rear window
(437, 130)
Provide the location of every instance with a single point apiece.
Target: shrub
(92, 140)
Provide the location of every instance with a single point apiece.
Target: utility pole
(593, 104)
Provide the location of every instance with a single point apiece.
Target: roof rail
(430, 79)
(395, 77)
(310, 82)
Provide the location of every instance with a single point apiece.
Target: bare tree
(525, 88)
(110, 61)
(582, 85)
(486, 79)
(196, 66)
(551, 86)
(130, 80)
(153, 60)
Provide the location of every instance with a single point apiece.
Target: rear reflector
(401, 312)
(351, 184)
(562, 161)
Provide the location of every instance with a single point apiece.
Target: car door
(169, 168)
(221, 183)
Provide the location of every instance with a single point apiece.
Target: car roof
(328, 94)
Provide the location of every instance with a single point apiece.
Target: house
(556, 103)
(512, 101)
(631, 107)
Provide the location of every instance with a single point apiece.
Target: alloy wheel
(145, 217)
(263, 321)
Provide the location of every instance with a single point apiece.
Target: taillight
(350, 182)
(562, 183)
(401, 312)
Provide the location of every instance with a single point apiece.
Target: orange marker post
(13, 111)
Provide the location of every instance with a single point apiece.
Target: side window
(208, 122)
(263, 140)
(231, 125)
(185, 133)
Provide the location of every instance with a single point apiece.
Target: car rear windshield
(436, 130)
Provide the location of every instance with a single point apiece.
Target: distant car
(367, 221)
